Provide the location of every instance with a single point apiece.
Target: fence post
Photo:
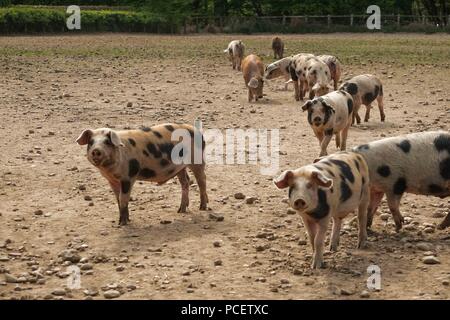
(185, 26)
(196, 25)
(398, 20)
(329, 20)
(351, 19)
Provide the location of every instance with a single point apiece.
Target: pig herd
(326, 190)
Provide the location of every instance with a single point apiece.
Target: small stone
(424, 246)
(10, 278)
(445, 282)
(111, 294)
(364, 294)
(88, 198)
(215, 216)
(218, 262)
(59, 292)
(86, 266)
(165, 222)
(385, 216)
(38, 212)
(346, 292)
(239, 196)
(302, 242)
(291, 211)
(250, 200)
(217, 244)
(70, 255)
(430, 260)
(129, 104)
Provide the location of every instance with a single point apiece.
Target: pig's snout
(317, 121)
(97, 156)
(299, 204)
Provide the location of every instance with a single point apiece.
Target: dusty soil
(52, 199)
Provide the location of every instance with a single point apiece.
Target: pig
(328, 115)
(365, 89)
(253, 71)
(278, 69)
(235, 50)
(298, 69)
(124, 157)
(417, 163)
(329, 189)
(318, 76)
(335, 67)
(278, 48)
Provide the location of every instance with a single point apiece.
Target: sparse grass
(393, 49)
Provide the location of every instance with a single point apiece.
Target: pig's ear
(84, 137)
(318, 178)
(253, 83)
(284, 180)
(114, 137)
(318, 159)
(308, 104)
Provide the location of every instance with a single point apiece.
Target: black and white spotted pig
(335, 67)
(416, 163)
(123, 157)
(329, 189)
(278, 69)
(328, 115)
(365, 89)
(298, 71)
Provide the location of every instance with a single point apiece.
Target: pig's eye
(91, 142)
(309, 185)
(108, 142)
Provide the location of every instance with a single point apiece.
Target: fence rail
(307, 23)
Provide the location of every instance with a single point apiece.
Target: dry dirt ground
(52, 199)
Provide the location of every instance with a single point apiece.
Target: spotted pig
(329, 189)
(328, 115)
(124, 157)
(365, 89)
(416, 163)
(298, 71)
(335, 67)
(278, 69)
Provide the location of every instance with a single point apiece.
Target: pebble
(291, 211)
(430, 260)
(424, 246)
(39, 212)
(250, 200)
(86, 266)
(165, 222)
(70, 255)
(445, 282)
(59, 292)
(239, 196)
(215, 216)
(385, 216)
(364, 294)
(218, 262)
(217, 244)
(10, 278)
(111, 294)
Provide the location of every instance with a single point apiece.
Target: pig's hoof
(362, 245)
(182, 209)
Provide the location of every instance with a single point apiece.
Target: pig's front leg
(124, 198)
(319, 243)
(324, 144)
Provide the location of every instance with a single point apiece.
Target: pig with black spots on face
(365, 89)
(329, 189)
(124, 157)
(330, 115)
(417, 163)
